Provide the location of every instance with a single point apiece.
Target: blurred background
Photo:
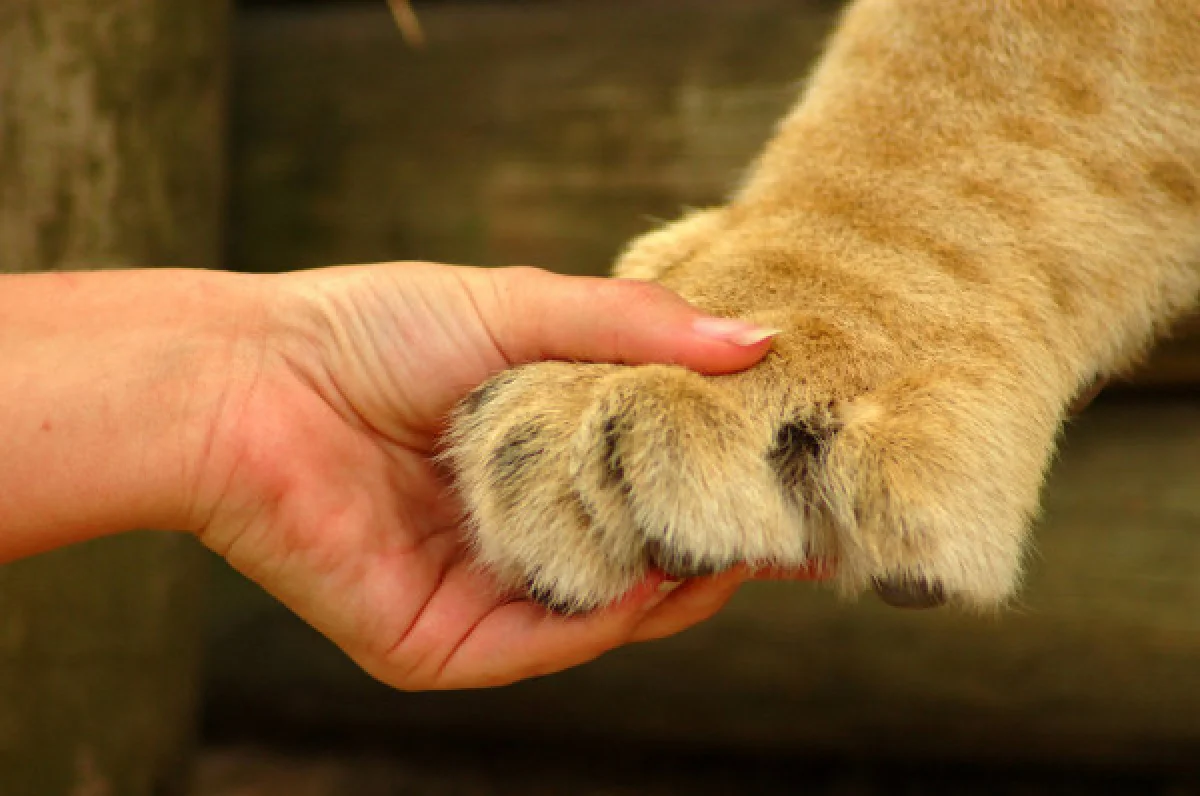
(303, 134)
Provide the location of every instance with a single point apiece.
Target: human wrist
(113, 384)
(223, 339)
(197, 339)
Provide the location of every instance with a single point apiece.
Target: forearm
(110, 383)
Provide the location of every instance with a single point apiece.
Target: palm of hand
(341, 513)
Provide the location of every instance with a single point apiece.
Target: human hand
(321, 484)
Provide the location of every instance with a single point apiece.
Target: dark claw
(544, 598)
(909, 592)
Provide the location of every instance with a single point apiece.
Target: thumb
(536, 315)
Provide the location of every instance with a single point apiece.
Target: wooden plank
(546, 133)
(1175, 362)
(111, 114)
(541, 134)
(514, 769)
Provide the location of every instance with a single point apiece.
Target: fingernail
(731, 330)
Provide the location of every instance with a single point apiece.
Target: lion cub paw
(579, 479)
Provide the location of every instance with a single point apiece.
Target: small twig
(406, 20)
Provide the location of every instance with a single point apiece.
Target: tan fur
(976, 210)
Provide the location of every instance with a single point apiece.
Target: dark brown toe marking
(905, 591)
(614, 468)
(793, 453)
(518, 449)
(798, 449)
(681, 564)
(548, 600)
(481, 395)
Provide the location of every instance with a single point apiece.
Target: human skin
(291, 422)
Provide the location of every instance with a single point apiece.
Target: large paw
(579, 478)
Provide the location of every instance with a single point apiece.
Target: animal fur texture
(977, 209)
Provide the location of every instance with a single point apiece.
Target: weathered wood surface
(566, 769)
(523, 133)
(1098, 663)
(111, 118)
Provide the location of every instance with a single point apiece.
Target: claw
(909, 592)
